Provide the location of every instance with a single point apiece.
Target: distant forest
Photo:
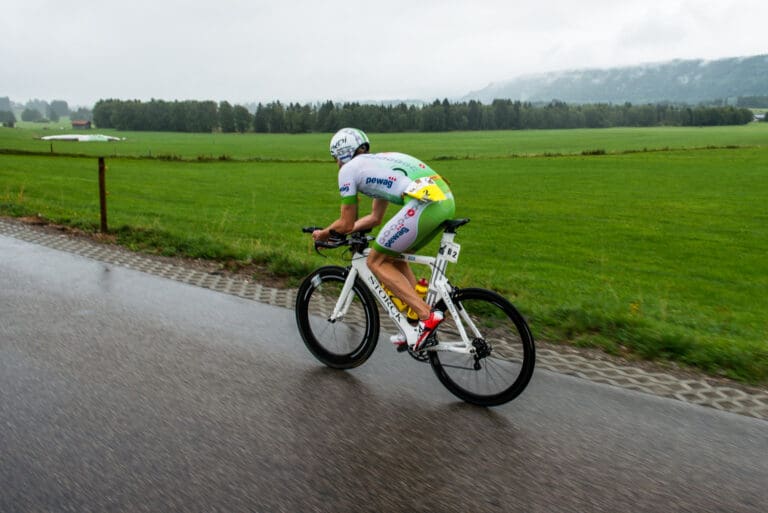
(440, 116)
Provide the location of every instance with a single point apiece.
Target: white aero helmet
(346, 142)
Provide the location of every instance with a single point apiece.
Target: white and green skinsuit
(399, 179)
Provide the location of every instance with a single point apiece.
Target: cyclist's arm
(344, 224)
(378, 208)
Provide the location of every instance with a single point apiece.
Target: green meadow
(429, 147)
(649, 243)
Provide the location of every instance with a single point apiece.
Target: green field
(645, 242)
(429, 147)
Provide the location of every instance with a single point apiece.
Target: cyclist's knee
(375, 259)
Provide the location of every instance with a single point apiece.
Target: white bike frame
(439, 288)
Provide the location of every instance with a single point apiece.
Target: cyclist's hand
(320, 235)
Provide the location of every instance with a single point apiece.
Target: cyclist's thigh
(413, 226)
(431, 221)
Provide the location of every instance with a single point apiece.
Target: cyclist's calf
(398, 279)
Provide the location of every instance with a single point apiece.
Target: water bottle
(422, 287)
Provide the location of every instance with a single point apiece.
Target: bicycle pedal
(419, 356)
(402, 348)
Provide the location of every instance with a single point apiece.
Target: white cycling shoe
(398, 340)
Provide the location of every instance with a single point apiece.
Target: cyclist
(396, 178)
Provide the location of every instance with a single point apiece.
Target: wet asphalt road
(120, 391)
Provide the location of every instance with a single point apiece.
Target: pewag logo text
(386, 182)
(402, 231)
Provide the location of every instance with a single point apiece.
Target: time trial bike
(483, 352)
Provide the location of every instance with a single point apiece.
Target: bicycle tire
(347, 342)
(506, 370)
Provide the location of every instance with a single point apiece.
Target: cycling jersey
(403, 180)
(381, 175)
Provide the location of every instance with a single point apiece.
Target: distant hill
(679, 81)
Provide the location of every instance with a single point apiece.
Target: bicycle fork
(345, 298)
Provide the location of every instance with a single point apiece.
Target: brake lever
(320, 244)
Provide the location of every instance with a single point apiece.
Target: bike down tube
(374, 285)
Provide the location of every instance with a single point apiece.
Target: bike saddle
(452, 224)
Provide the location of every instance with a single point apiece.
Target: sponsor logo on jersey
(380, 181)
(402, 231)
(344, 188)
(400, 170)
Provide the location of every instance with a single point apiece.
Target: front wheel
(503, 363)
(345, 342)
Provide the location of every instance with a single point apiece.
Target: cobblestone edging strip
(753, 403)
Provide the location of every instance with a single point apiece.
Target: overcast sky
(312, 50)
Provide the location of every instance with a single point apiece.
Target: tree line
(40, 111)
(276, 117)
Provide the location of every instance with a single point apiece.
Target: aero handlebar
(338, 240)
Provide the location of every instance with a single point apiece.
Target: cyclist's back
(385, 175)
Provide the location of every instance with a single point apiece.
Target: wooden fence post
(103, 194)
